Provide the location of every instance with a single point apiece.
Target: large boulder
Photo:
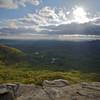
(5, 94)
(55, 83)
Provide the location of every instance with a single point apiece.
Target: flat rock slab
(51, 90)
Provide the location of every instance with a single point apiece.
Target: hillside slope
(9, 55)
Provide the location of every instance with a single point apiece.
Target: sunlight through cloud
(80, 15)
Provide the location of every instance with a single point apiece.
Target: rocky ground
(51, 90)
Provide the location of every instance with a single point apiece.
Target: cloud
(39, 20)
(23, 2)
(51, 16)
(49, 20)
(7, 4)
(12, 24)
(46, 17)
(13, 4)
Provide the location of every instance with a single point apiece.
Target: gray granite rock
(5, 94)
(55, 83)
(51, 90)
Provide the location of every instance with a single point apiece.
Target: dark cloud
(73, 28)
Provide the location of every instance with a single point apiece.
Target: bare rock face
(55, 83)
(31, 92)
(51, 90)
(6, 93)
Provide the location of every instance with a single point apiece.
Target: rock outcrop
(51, 90)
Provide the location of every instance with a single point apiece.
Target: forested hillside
(35, 61)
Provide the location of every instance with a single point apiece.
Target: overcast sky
(48, 18)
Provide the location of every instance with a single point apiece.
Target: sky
(50, 19)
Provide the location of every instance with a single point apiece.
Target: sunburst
(80, 15)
